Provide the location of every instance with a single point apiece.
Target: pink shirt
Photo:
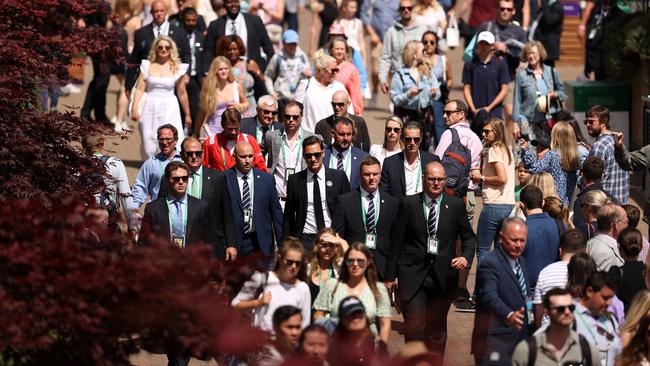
(467, 138)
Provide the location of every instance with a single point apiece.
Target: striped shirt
(616, 181)
(554, 275)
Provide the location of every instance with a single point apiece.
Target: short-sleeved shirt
(504, 194)
(331, 295)
(555, 275)
(485, 80)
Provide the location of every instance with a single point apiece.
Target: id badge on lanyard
(247, 216)
(371, 239)
(178, 240)
(432, 245)
(288, 172)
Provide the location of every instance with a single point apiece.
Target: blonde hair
(408, 56)
(545, 182)
(336, 258)
(420, 8)
(210, 83)
(398, 120)
(499, 131)
(563, 138)
(529, 46)
(557, 210)
(321, 61)
(174, 60)
(596, 199)
(638, 310)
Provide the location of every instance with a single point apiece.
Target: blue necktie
(520, 279)
(370, 221)
(177, 223)
(339, 162)
(246, 200)
(431, 221)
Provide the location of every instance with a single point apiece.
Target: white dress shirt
(289, 160)
(162, 30)
(240, 181)
(240, 27)
(310, 223)
(347, 160)
(413, 176)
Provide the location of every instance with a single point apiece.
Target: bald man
(255, 205)
(340, 104)
(423, 258)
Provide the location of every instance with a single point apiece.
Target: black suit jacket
(348, 222)
(256, 38)
(393, 178)
(215, 192)
(143, 39)
(361, 139)
(199, 221)
(408, 259)
(199, 48)
(295, 208)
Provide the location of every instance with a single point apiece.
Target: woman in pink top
(348, 74)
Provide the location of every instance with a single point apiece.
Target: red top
(483, 11)
(216, 157)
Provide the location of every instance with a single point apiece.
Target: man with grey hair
(263, 122)
(603, 248)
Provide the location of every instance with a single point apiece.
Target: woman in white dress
(159, 76)
(392, 140)
(430, 16)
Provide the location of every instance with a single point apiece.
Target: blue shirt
(542, 245)
(485, 80)
(379, 14)
(147, 183)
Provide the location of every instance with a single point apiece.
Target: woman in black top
(630, 242)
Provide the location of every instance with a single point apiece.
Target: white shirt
(347, 160)
(240, 27)
(290, 159)
(251, 183)
(427, 201)
(316, 99)
(377, 151)
(310, 223)
(230, 145)
(554, 275)
(162, 30)
(413, 176)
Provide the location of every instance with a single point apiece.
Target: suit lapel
(303, 192)
(190, 218)
(232, 181)
(508, 267)
(205, 183)
(402, 173)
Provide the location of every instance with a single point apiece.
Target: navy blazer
(355, 164)
(295, 208)
(498, 294)
(267, 212)
(393, 178)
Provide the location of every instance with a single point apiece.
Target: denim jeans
(489, 225)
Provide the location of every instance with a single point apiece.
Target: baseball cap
(290, 36)
(349, 306)
(337, 29)
(485, 36)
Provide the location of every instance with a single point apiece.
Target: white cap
(485, 36)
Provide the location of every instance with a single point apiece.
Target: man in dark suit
(255, 205)
(401, 174)
(196, 40)
(250, 28)
(502, 288)
(340, 104)
(341, 155)
(423, 258)
(96, 93)
(312, 195)
(210, 185)
(366, 215)
(263, 122)
(145, 36)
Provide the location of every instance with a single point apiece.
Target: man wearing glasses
(147, 183)
(396, 37)
(210, 186)
(285, 148)
(558, 344)
(340, 105)
(422, 261)
(401, 174)
(312, 195)
(263, 122)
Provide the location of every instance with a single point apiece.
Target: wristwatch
(482, 178)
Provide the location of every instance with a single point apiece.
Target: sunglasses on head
(316, 155)
(197, 154)
(183, 178)
(393, 129)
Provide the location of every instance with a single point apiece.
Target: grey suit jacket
(274, 139)
(604, 251)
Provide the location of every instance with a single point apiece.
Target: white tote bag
(453, 33)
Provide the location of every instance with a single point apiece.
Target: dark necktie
(339, 162)
(370, 220)
(318, 205)
(233, 28)
(263, 140)
(431, 221)
(246, 200)
(520, 279)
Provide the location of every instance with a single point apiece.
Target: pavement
(127, 148)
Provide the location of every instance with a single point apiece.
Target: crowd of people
(260, 150)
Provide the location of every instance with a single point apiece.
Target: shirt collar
(320, 174)
(171, 199)
(199, 171)
(162, 157)
(365, 193)
(428, 199)
(345, 153)
(240, 174)
(259, 125)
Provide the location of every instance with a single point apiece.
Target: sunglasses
(166, 48)
(562, 309)
(183, 178)
(352, 261)
(340, 105)
(486, 131)
(333, 71)
(290, 263)
(326, 245)
(316, 155)
(402, 8)
(434, 179)
(273, 113)
(197, 154)
(448, 113)
(412, 139)
(433, 43)
(289, 117)
(393, 129)
(506, 9)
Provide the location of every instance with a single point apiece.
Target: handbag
(453, 33)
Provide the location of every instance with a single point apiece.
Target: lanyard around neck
(171, 217)
(284, 157)
(348, 160)
(363, 211)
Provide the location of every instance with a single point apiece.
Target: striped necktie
(339, 161)
(520, 279)
(431, 221)
(246, 200)
(370, 220)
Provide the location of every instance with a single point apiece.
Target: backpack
(457, 161)
(585, 351)
(105, 198)
(281, 58)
